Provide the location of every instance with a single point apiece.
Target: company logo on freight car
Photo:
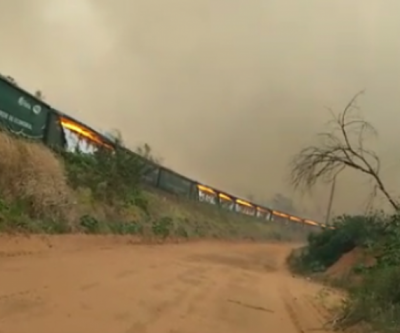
(36, 109)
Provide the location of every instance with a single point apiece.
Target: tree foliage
(112, 176)
(143, 150)
(146, 152)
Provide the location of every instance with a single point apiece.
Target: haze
(226, 91)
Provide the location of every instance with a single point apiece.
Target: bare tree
(338, 148)
(9, 79)
(115, 135)
(143, 150)
(147, 152)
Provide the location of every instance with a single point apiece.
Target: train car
(245, 207)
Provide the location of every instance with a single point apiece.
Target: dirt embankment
(46, 192)
(99, 284)
(345, 269)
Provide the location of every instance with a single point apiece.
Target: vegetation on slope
(43, 191)
(374, 290)
(374, 284)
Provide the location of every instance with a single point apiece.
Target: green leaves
(112, 176)
(326, 247)
(162, 227)
(376, 299)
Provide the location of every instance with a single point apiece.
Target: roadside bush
(162, 227)
(387, 249)
(113, 177)
(326, 247)
(13, 218)
(376, 301)
(90, 225)
(125, 228)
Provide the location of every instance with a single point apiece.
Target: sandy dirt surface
(77, 284)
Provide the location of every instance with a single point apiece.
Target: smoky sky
(225, 91)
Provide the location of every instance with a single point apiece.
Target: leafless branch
(340, 147)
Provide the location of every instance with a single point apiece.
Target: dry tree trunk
(337, 149)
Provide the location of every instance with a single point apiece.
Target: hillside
(362, 256)
(29, 116)
(45, 191)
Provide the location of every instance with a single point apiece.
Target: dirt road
(93, 284)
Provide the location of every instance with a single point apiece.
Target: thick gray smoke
(226, 91)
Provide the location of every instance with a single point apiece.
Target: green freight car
(22, 113)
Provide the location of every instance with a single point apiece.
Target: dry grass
(32, 175)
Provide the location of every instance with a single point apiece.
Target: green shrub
(387, 249)
(181, 232)
(89, 224)
(112, 176)
(376, 301)
(125, 228)
(326, 247)
(162, 227)
(13, 217)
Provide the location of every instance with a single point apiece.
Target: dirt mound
(344, 267)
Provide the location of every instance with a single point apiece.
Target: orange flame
(280, 214)
(90, 135)
(294, 218)
(225, 197)
(244, 203)
(310, 222)
(206, 189)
